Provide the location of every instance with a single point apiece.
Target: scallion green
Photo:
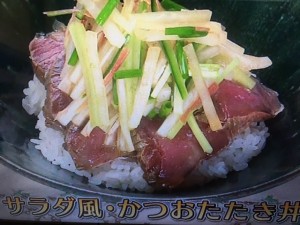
(106, 12)
(182, 60)
(185, 32)
(169, 5)
(165, 109)
(153, 113)
(73, 58)
(172, 59)
(121, 74)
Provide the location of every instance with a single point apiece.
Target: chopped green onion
(169, 5)
(74, 58)
(176, 73)
(153, 113)
(185, 32)
(106, 11)
(121, 74)
(182, 60)
(166, 109)
(171, 56)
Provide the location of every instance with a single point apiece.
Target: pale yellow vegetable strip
(121, 143)
(121, 21)
(168, 124)
(76, 74)
(178, 101)
(150, 105)
(128, 7)
(157, 35)
(81, 117)
(244, 78)
(160, 20)
(161, 82)
(106, 54)
(79, 90)
(87, 129)
(113, 34)
(233, 47)
(208, 106)
(199, 135)
(144, 89)
(93, 78)
(65, 85)
(161, 65)
(100, 90)
(66, 115)
(248, 62)
(111, 137)
(207, 53)
(93, 7)
(123, 117)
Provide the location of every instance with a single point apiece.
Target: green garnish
(73, 58)
(153, 113)
(172, 59)
(182, 60)
(121, 74)
(176, 73)
(165, 109)
(169, 5)
(106, 12)
(185, 32)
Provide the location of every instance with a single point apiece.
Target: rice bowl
(127, 175)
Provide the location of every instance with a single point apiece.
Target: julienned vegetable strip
(121, 89)
(112, 64)
(171, 6)
(73, 59)
(182, 60)
(143, 91)
(171, 56)
(208, 106)
(60, 12)
(165, 109)
(121, 74)
(94, 97)
(199, 135)
(106, 11)
(185, 32)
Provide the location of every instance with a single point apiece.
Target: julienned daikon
(129, 62)
(144, 89)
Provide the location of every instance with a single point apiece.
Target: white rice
(127, 174)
